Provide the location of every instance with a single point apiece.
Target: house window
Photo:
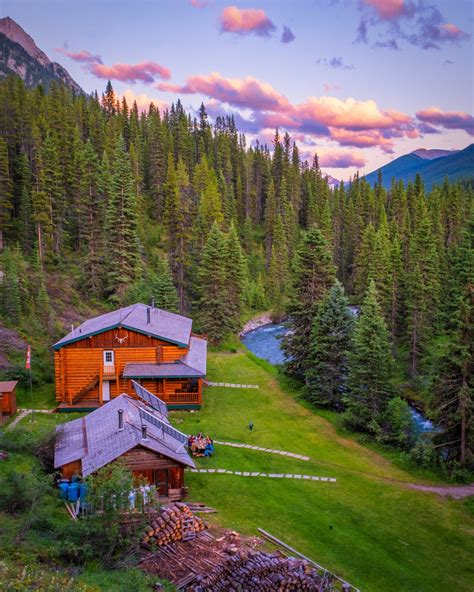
(108, 357)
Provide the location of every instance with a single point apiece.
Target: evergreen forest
(103, 204)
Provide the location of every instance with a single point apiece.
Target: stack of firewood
(167, 525)
(258, 571)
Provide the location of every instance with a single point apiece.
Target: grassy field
(369, 527)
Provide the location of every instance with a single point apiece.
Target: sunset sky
(359, 81)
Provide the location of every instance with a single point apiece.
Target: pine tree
(453, 383)
(327, 364)
(422, 290)
(278, 270)
(122, 226)
(370, 368)
(314, 273)
(10, 288)
(212, 307)
(236, 276)
(6, 189)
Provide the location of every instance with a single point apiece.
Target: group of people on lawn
(201, 445)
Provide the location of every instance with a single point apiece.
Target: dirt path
(23, 413)
(455, 491)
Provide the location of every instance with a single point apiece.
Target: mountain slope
(20, 55)
(432, 154)
(456, 166)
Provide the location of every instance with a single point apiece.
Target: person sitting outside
(209, 450)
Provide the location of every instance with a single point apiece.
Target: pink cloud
(447, 119)
(366, 139)
(452, 32)
(80, 56)
(199, 3)
(328, 87)
(246, 21)
(145, 72)
(143, 100)
(387, 9)
(341, 159)
(349, 114)
(247, 93)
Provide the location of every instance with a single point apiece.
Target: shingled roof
(162, 324)
(192, 365)
(97, 441)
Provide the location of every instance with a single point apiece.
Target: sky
(360, 82)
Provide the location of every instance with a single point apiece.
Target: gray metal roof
(197, 354)
(8, 386)
(163, 325)
(102, 442)
(173, 370)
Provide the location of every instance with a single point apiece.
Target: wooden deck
(80, 406)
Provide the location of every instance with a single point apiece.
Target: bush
(424, 454)
(21, 492)
(40, 443)
(397, 424)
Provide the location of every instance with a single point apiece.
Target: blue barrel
(73, 492)
(63, 489)
(83, 491)
(75, 478)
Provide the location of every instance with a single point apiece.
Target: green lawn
(369, 527)
(41, 398)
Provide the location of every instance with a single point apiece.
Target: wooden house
(96, 361)
(132, 430)
(7, 399)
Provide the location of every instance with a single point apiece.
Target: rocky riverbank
(256, 322)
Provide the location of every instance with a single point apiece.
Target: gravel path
(455, 491)
(268, 475)
(260, 449)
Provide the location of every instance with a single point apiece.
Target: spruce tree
(6, 189)
(10, 288)
(278, 270)
(236, 278)
(327, 364)
(314, 273)
(370, 368)
(212, 309)
(122, 226)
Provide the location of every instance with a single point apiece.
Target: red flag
(28, 358)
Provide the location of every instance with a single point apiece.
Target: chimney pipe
(120, 419)
(153, 303)
(148, 311)
(144, 437)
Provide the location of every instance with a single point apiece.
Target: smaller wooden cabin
(132, 430)
(7, 399)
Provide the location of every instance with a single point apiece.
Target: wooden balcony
(109, 372)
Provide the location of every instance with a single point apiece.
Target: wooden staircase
(83, 392)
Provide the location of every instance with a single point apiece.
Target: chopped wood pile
(258, 571)
(166, 526)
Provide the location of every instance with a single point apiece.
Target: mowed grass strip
(367, 527)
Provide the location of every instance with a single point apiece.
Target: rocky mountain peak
(13, 31)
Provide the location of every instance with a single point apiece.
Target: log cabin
(132, 430)
(97, 360)
(7, 399)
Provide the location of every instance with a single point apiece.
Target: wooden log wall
(8, 403)
(77, 364)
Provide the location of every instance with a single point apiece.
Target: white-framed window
(108, 358)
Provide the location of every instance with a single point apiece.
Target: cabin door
(105, 390)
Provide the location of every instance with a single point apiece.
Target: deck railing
(182, 398)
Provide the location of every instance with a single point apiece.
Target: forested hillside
(119, 205)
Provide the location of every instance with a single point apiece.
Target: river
(265, 342)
